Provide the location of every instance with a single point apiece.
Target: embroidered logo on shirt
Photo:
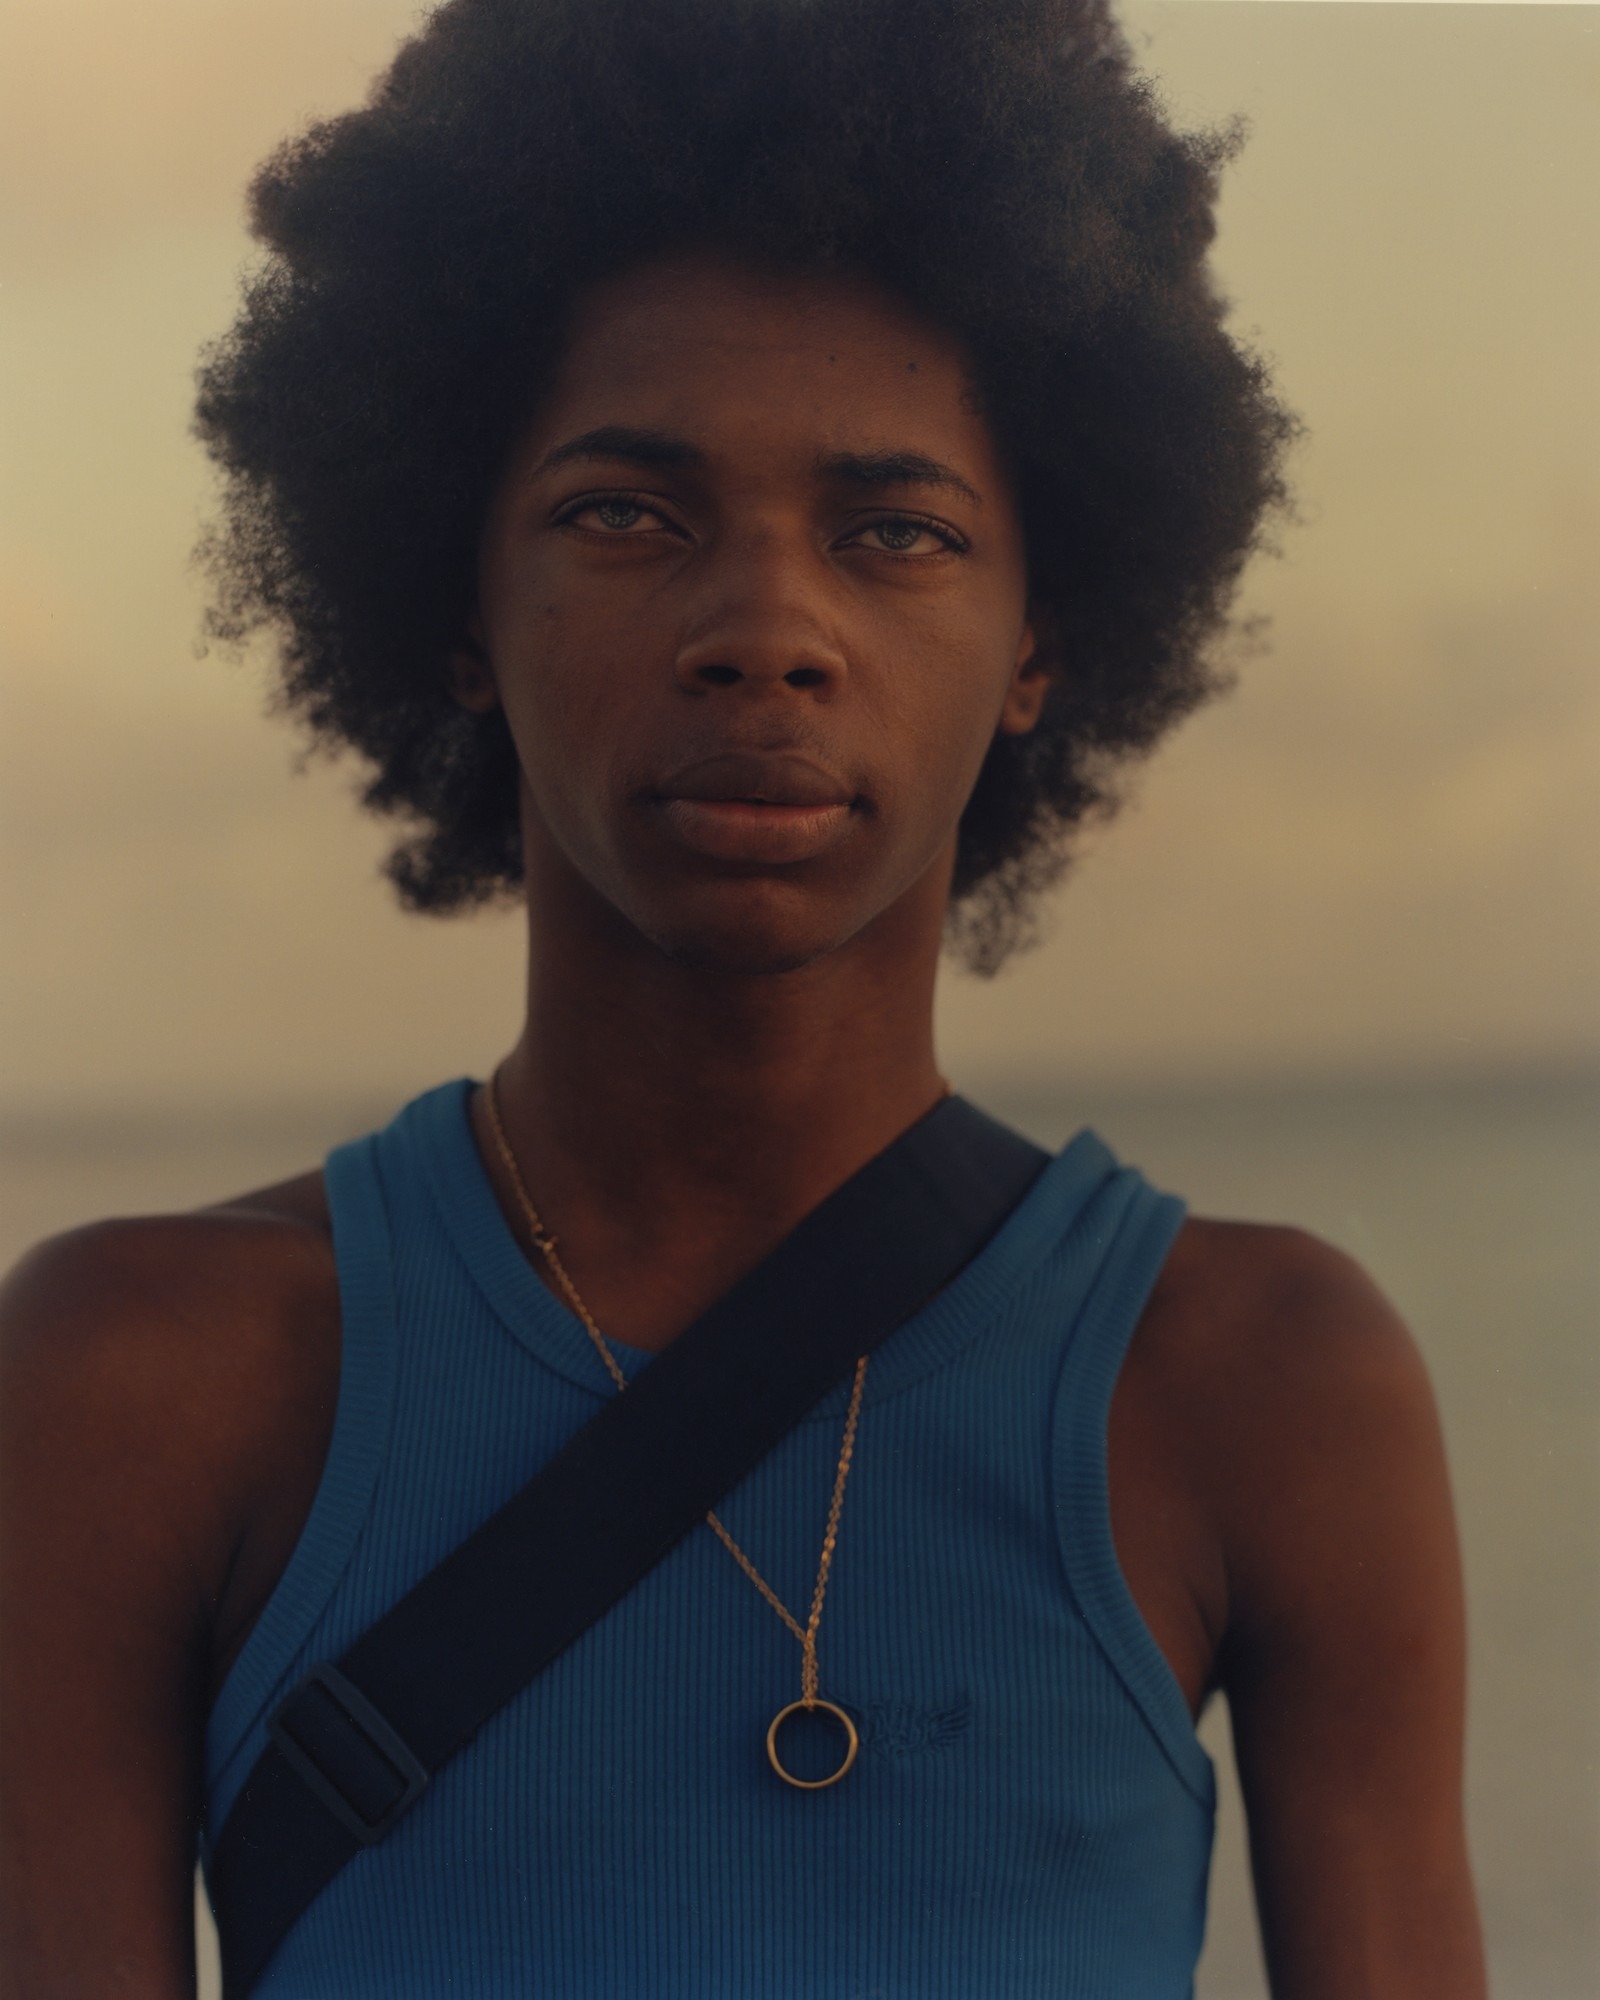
(901, 1728)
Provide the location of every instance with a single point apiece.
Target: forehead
(723, 352)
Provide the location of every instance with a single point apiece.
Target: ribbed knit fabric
(1031, 1812)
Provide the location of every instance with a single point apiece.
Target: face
(752, 595)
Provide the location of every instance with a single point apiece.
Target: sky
(1379, 855)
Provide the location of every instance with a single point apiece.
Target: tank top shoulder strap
(368, 1366)
(1131, 1227)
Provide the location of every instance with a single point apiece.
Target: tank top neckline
(437, 1133)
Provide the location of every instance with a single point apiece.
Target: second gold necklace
(810, 1700)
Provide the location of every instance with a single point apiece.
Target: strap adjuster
(348, 1755)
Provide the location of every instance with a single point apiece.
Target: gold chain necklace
(810, 1701)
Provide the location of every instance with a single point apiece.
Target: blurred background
(1338, 962)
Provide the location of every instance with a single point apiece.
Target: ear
(1030, 679)
(469, 674)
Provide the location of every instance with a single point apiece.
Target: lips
(758, 778)
(759, 809)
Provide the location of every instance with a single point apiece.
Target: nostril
(719, 676)
(805, 677)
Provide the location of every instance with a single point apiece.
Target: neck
(673, 1124)
(656, 1076)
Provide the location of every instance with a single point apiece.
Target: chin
(740, 954)
(749, 936)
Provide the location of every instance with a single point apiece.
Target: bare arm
(161, 1433)
(1345, 1657)
(100, 1642)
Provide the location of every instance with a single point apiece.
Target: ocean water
(1476, 1205)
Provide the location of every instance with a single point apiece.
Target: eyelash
(568, 515)
(955, 544)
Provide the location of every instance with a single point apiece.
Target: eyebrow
(637, 447)
(893, 468)
(867, 469)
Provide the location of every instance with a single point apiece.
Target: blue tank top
(1031, 1812)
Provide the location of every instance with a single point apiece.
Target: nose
(762, 621)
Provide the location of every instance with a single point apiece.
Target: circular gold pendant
(852, 1744)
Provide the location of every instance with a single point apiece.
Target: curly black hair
(995, 164)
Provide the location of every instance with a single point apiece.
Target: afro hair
(995, 164)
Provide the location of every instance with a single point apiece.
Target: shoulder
(164, 1307)
(1307, 1421)
(1263, 1320)
(166, 1375)
(1297, 1400)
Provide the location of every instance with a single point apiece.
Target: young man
(741, 475)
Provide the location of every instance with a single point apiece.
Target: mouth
(757, 808)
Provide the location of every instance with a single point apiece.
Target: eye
(908, 535)
(611, 514)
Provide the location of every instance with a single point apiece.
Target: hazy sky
(1381, 851)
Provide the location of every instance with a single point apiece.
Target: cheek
(558, 657)
(568, 723)
(940, 714)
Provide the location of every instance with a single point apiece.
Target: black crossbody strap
(354, 1745)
